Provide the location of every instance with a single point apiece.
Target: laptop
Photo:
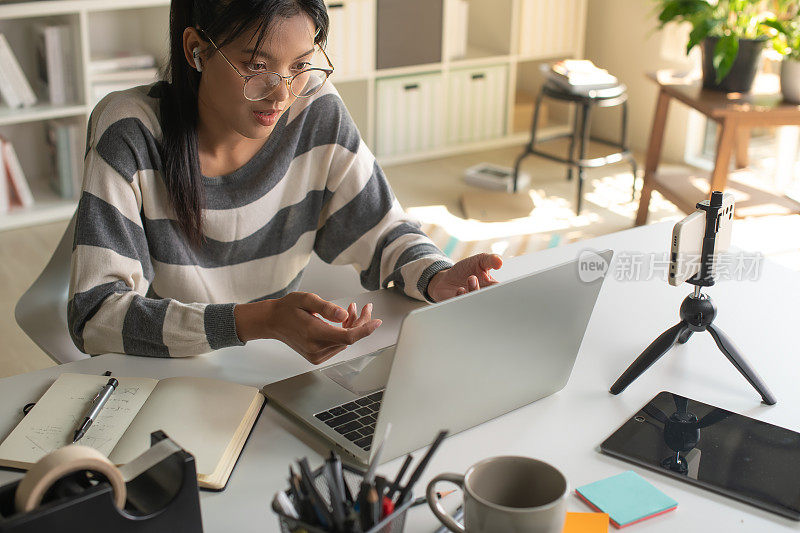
(456, 364)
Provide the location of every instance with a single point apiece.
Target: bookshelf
(486, 51)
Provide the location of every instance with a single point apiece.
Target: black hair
(223, 21)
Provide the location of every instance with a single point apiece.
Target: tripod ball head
(698, 312)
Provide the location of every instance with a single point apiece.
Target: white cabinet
(476, 104)
(410, 114)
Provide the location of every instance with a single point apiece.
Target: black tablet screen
(746, 459)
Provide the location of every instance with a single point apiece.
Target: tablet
(728, 453)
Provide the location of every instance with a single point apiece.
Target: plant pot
(742, 73)
(790, 80)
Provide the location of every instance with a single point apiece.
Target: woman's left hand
(467, 275)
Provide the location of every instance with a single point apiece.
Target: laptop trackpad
(365, 374)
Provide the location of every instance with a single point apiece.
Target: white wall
(621, 36)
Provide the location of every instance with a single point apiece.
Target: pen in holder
(392, 522)
(323, 501)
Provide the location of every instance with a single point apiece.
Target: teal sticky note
(627, 498)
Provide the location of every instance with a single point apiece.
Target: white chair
(42, 311)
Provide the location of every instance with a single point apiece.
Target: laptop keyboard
(355, 420)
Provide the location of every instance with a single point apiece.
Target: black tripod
(697, 314)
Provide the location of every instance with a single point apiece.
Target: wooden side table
(736, 114)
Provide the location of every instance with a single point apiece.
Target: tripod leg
(737, 359)
(650, 355)
(684, 336)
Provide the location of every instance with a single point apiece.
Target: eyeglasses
(264, 84)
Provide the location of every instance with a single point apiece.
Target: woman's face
(287, 49)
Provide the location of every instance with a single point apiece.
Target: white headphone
(197, 64)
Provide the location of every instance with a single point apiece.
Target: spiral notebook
(209, 418)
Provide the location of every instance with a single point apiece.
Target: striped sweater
(138, 287)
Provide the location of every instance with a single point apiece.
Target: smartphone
(687, 241)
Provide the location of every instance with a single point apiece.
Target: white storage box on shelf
(550, 29)
(476, 104)
(410, 114)
(352, 42)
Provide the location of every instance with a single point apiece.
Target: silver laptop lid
(470, 359)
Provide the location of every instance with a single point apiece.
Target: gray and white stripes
(138, 287)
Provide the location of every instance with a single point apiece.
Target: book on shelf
(209, 418)
(55, 62)
(580, 73)
(19, 192)
(126, 75)
(99, 90)
(5, 199)
(590, 91)
(63, 141)
(14, 86)
(121, 61)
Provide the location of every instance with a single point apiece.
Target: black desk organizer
(393, 523)
(163, 498)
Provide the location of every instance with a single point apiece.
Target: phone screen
(731, 454)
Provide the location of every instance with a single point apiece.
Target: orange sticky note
(586, 523)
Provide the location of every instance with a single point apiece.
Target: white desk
(565, 429)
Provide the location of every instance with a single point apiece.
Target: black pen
(320, 508)
(98, 402)
(337, 506)
(303, 505)
(369, 505)
(396, 483)
(338, 476)
(420, 467)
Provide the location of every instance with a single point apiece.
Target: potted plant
(731, 33)
(786, 26)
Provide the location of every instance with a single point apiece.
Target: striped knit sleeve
(364, 225)
(111, 306)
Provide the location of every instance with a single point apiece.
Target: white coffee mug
(509, 494)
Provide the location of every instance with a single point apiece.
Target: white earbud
(197, 64)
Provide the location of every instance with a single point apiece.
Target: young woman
(204, 197)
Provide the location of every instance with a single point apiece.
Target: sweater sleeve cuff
(221, 326)
(427, 275)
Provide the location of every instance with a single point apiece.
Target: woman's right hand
(295, 321)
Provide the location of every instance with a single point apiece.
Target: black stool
(601, 98)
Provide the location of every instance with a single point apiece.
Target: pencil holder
(392, 523)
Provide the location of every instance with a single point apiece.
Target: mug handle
(436, 507)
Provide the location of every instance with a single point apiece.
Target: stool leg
(624, 145)
(585, 123)
(532, 142)
(572, 142)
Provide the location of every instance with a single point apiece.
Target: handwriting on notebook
(52, 423)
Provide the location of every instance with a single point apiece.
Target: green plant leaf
(699, 32)
(776, 24)
(670, 11)
(678, 10)
(724, 55)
